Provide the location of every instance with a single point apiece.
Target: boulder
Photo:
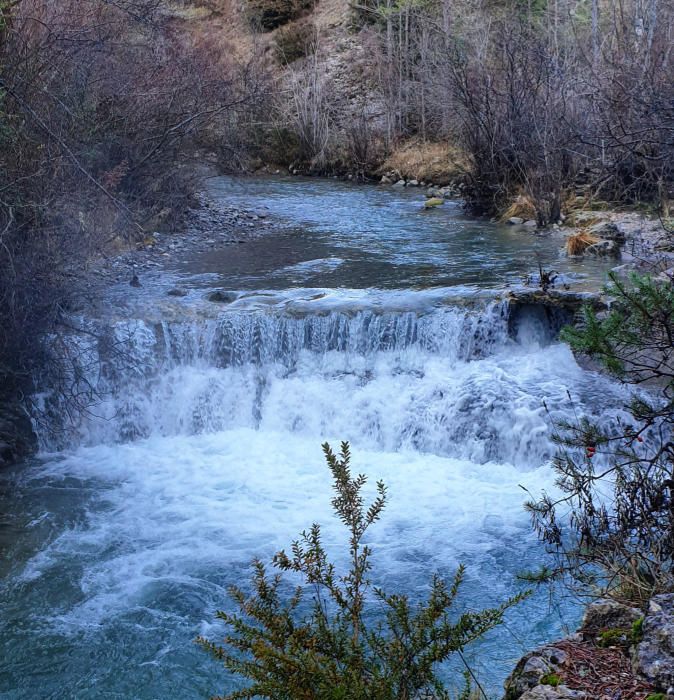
(607, 614)
(400, 183)
(515, 221)
(385, 180)
(654, 655)
(413, 183)
(608, 231)
(220, 297)
(531, 669)
(433, 202)
(603, 249)
(530, 223)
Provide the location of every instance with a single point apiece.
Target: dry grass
(578, 242)
(522, 208)
(188, 13)
(439, 163)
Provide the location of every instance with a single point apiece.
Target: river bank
(618, 652)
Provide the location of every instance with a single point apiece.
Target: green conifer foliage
(612, 522)
(336, 651)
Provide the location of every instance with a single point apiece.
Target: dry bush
(516, 118)
(100, 102)
(364, 144)
(266, 15)
(310, 114)
(437, 162)
(577, 243)
(294, 41)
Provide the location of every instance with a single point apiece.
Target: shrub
(267, 15)
(294, 41)
(617, 483)
(334, 650)
(100, 103)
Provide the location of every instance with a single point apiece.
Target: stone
(515, 221)
(400, 183)
(531, 669)
(607, 614)
(433, 202)
(530, 223)
(603, 248)
(220, 297)
(135, 282)
(177, 292)
(607, 231)
(666, 275)
(385, 180)
(654, 655)
(413, 183)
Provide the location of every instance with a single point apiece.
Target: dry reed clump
(522, 208)
(438, 162)
(577, 243)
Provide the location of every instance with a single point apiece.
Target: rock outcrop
(653, 656)
(617, 652)
(606, 614)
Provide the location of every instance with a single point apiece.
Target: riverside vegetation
(335, 650)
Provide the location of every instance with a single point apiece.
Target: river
(363, 318)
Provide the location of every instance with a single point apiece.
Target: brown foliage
(267, 15)
(99, 102)
(578, 242)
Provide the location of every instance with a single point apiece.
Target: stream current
(364, 318)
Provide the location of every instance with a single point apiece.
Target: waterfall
(452, 380)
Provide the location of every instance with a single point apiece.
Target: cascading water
(203, 451)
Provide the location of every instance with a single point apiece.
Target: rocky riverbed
(211, 224)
